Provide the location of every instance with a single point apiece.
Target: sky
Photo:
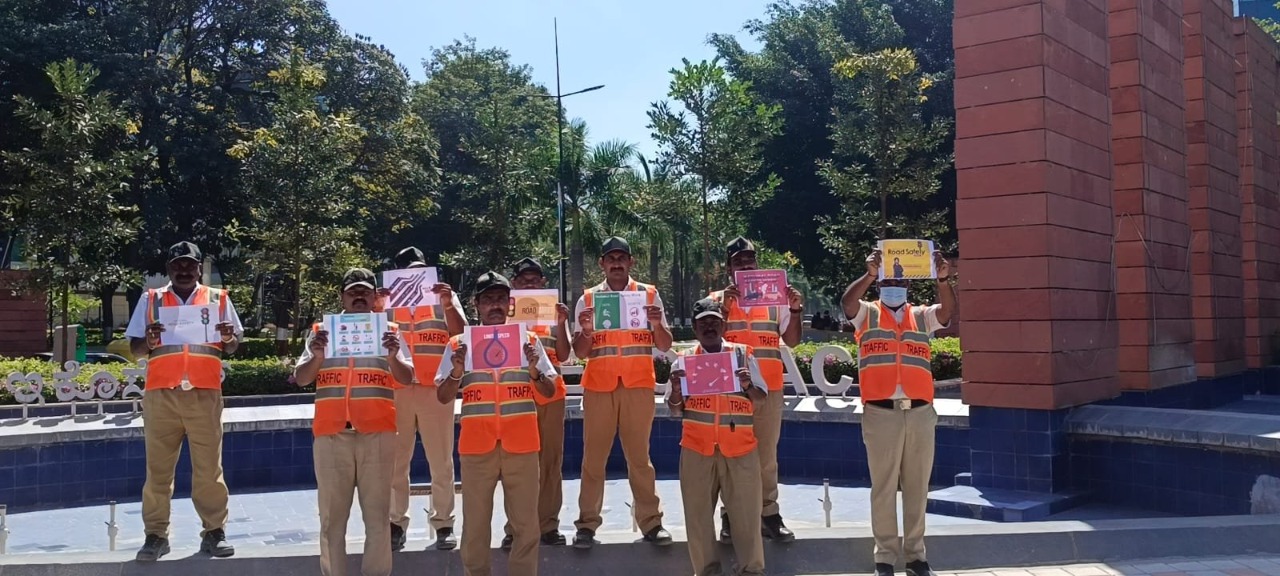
(630, 47)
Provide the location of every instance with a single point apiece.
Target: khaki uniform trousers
(169, 415)
(768, 430)
(419, 413)
(349, 462)
(900, 446)
(703, 479)
(628, 414)
(519, 476)
(550, 467)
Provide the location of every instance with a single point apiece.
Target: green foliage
(243, 377)
(264, 349)
(946, 360)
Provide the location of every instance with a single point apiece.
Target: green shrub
(946, 359)
(264, 348)
(244, 377)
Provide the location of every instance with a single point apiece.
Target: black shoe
(584, 539)
(772, 528)
(883, 569)
(215, 543)
(553, 538)
(919, 568)
(445, 540)
(658, 536)
(506, 542)
(725, 535)
(153, 548)
(398, 538)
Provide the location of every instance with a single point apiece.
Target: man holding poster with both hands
(499, 373)
(354, 427)
(764, 328)
(718, 456)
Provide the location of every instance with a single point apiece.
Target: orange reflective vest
(757, 327)
(427, 333)
(549, 346)
(620, 356)
(892, 353)
(724, 420)
(355, 391)
(498, 406)
(199, 364)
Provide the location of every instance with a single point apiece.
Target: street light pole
(560, 96)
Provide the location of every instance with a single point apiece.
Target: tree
(304, 192)
(717, 136)
(65, 191)
(886, 164)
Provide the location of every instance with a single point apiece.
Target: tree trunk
(67, 340)
(706, 238)
(653, 260)
(107, 295)
(576, 265)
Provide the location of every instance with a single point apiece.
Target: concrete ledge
(15, 433)
(998, 505)
(1252, 432)
(820, 551)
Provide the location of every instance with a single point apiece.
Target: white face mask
(893, 296)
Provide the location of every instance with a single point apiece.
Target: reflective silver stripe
(915, 337)
(547, 341)
(764, 326)
(372, 392)
(426, 325)
(768, 353)
(737, 420)
(204, 350)
(735, 326)
(331, 392)
(428, 349)
(333, 363)
(520, 377)
(916, 362)
(878, 334)
(379, 363)
(876, 360)
(518, 407)
(703, 417)
(603, 351)
(637, 350)
(477, 409)
(476, 378)
(773, 314)
(873, 317)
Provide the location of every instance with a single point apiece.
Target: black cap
(740, 244)
(185, 249)
(359, 277)
(707, 307)
(615, 243)
(526, 265)
(410, 258)
(489, 280)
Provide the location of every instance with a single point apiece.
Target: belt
(902, 404)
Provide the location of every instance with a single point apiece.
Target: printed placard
(187, 325)
(620, 310)
(355, 335)
(709, 374)
(758, 288)
(533, 307)
(494, 347)
(907, 260)
(411, 287)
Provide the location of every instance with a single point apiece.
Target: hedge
(244, 377)
(946, 360)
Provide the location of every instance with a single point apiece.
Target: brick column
(1256, 56)
(1035, 219)
(1149, 142)
(1214, 198)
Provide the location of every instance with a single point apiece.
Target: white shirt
(604, 287)
(403, 354)
(931, 325)
(753, 367)
(544, 363)
(138, 322)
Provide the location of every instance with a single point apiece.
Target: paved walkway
(1209, 566)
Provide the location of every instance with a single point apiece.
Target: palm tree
(595, 196)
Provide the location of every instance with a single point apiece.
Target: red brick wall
(1214, 197)
(22, 317)
(1256, 104)
(1034, 209)
(1149, 141)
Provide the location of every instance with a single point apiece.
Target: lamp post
(560, 96)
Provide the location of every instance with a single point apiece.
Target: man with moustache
(895, 377)
(762, 328)
(427, 330)
(527, 275)
(183, 399)
(618, 399)
(499, 437)
(718, 457)
(355, 433)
